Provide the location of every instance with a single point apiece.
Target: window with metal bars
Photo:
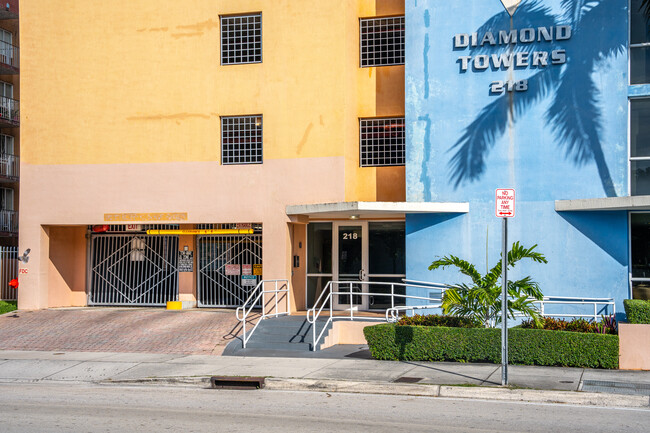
(639, 44)
(381, 41)
(382, 142)
(241, 39)
(241, 140)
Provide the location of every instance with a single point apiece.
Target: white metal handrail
(567, 300)
(392, 313)
(255, 297)
(326, 296)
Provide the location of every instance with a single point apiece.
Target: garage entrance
(229, 266)
(129, 267)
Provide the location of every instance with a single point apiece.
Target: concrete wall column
(32, 276)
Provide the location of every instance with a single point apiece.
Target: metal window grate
(382, 41)
(241, 140)
(241, 39)
(381, 142)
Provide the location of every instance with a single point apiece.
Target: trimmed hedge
(637, 311)
(525, 346)
(438, 320)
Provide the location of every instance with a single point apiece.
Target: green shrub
(607, 325)
(637, 311)
(7, 306)
(437, 320)
(525, 346)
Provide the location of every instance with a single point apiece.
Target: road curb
(482, 393)
(546, 396)
(349, 386)
(421, 390)
(171, 381)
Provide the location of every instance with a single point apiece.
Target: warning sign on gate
(248, 280)
(233, 270)
(505, 203)
(257, 269)
(246, 269)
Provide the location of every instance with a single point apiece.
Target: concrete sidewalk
(347, 374)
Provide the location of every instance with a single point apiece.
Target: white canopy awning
(638, 202)
(372, 209)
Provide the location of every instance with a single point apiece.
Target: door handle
(362, 275)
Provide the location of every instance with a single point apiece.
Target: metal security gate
(133, 269)
(229, 268)
(8, 271)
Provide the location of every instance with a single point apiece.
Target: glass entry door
(369, 255)
(351, 264)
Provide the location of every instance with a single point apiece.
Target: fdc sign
(505, 203)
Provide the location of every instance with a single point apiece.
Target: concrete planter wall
(634, 346)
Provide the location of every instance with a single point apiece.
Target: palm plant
(481, 300)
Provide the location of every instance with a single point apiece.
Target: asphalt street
(59, 407)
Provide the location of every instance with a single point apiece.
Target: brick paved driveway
(119, 330)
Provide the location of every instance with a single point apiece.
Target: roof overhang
(639, 202)
(371, 209)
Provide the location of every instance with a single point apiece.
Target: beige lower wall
(634, 351)
(66, 274)
(187, 280)
(54, 195)
(346, 332)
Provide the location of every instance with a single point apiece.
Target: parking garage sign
(505, 203)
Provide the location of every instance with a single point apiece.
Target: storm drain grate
(616, 387)
(407, 379)
(230, 382)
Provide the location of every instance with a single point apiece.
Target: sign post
(504, 208)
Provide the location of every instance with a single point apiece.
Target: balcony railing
(9, 167)
(9, 112)
(9, 58)
(8, 221)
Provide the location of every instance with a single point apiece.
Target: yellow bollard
(174, 305)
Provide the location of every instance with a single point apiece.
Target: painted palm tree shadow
(573, 114)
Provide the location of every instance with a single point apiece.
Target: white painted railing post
(263, 301)
(243, 325)
(351, 314)
(288, 300)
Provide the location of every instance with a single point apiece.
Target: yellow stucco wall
(123, 82)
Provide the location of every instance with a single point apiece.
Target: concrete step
(278, 346)
(285, 333)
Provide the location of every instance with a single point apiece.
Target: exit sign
(505, 203)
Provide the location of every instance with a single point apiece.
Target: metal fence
(8, 221)
(8, 271)
(9, 54)
(133, 269)
(9, 111)
(9, 166)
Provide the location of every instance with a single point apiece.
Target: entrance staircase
(286, 333)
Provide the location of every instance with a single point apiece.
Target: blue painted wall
(568, 141)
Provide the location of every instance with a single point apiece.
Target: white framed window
(381, 41)
(241, 139)
(241, 39)
(6, 144)
(382, 142)
(639, 45)
(6, 47)
(6, 199)
(639, 225)
(640, 146)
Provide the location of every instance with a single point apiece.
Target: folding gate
(229, 268)
(133, 269)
